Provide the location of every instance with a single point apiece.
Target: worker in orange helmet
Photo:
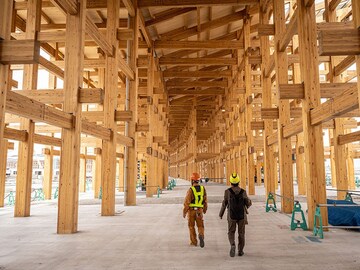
(195, 205)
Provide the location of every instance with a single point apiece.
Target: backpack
(236, 205)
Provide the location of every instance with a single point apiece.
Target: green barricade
(348, 197)
(11, 198)
(297, 223)
(56, 194)
(318, 229)
(39, 195)
(269, 205)
(158, 192)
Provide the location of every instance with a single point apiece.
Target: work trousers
(241, 230)
(195, 216)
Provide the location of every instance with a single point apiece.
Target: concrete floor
(153, 235)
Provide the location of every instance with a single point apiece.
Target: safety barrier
(56, 193)
(318, 223)
(295, 223)
(38, 195)
(11, 198)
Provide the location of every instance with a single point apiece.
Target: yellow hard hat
(234, 178)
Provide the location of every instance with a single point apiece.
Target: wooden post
(350, 168)
(70, 150)
(6, 12)
(48, 173)
(98, 172)
(26, 148)
(332, 159)
(249, 133)
(356, 20)
(121, 175)
(108, 178)
(269, 164)
(82, 173)
(131, 159)
(3, 163)
(284, 144)
(313, 138)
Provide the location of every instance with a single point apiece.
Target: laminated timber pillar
(356, 20)
(70, 149)
(313, 137)
(151, 160)
(108, 153)
(131, 155)
(269, 162)
(82, 173)
(26, 148)
(6, 11)
(98, 169)
(340, 150)
(3, 161)
(250, 151)
(48, 172)
(350, 167)
(284, 144)
(332, 159)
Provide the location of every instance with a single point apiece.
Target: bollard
(298, 224)
(268, 205)
(158, 192)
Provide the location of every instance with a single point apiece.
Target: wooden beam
(93, 31)
(346, 102)
(344, 65)
(67, 6)
(19, 51)
(181, 84)
(189, 3)
(14, 134)
(130, 7)
(336, 42)
(349, 138)
(202, 45)
(208, 91)
(124, 67)
(291, 30)
(197, 61)
(47, 140)
(170, 14)
(196, 74)
(97, 131)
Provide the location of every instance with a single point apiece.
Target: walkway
(153, 235)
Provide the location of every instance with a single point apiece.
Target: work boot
(232, 251)
(202, 243)
(241, 253)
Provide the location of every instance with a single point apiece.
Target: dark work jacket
(225, 203)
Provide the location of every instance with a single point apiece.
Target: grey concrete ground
(153, 235)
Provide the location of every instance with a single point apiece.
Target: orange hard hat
(195, 176)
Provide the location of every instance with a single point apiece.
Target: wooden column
(98, 172)
(82, 173)
(6, 12)
(70, 150)
(26, 148)
(350, 168)
(269, 164)
(313, 138)
(356, 20)
(332, 159)
(48, 172)
(121, 174)
(3, 163)
(108, 178)
(249, 133)
(131, 161)
(284, 144)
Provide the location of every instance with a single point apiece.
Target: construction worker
(195, 205)
(237, 202)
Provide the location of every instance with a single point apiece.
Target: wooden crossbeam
(207, 91)
(295, 127)
(202, 45)
(327, 90)
(14, 134)
(93, 31)
(94, 130)
(197, 61)
(189, 3)
(37, 111)
(291, 30)
(67, 6)
(56, 96)
(196, 74)
(177, 84)
(349, 138)
(47, 140)
(125, 68)
(52, 68)
(169, 15)
(346, 102)
(344, 65)
(339, 42)
(130, 7)
(19, 52)
(124, 140)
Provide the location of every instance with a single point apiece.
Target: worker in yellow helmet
(195, 205)
(237, 202)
